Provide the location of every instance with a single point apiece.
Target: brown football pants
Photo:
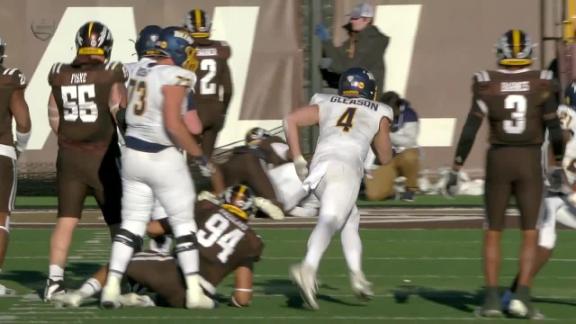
(406, 164)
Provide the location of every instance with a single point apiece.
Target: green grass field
(421, 201)
(431, 276)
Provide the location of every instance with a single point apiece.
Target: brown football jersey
(226, 242)
(82, 92)
(214, 86)
(10, 79)
(515, 103)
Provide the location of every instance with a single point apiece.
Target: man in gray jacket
(364, 48)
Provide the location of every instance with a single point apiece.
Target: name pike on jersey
(521, 86)
(78, 77)
(355, 101)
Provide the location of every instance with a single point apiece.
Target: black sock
(514, 284)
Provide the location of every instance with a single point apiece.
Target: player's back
(11, 79)
(82, 93)
(213, 72)
(144, 116)
(226, 242)
(347, 127)
(514, 102)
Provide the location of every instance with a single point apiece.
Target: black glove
(451, 186)
(206, 167)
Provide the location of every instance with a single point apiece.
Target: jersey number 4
(78, 102)
(213, 232)
(345, 121)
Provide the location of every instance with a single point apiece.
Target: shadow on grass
(464, 301)
(290, 291)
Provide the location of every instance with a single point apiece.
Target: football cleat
(305, 278)
(72, 299)
(361, 287)
(6, 292)
(196, 299)
(521, 309)
(135, 300)
(505, 301)
(110, 298)
(53, 288)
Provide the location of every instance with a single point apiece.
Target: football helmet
(256, 134)
(357, 82)
(2, 50)
(514, 48)
(176, 43)
(570, 94)
(239, 200)
(198, 23)
(94, 38)
(146, 42)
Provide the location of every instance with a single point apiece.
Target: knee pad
(130, 239)
(186, 243)
(6, 226)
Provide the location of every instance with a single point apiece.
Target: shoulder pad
(118, 69)
(175, 75)
(16, 77)
(482, 76)
(546, 75)
(319, 98)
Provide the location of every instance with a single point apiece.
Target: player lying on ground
(226, 244)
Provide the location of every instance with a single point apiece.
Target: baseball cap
(362, 10)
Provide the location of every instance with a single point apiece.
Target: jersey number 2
(518, 123)
(78, 102)
(345, 121)
(213, 232)
(207, 87)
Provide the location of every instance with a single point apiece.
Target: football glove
(301, 167)
(206, 167)
(451, 187)
(269, 208)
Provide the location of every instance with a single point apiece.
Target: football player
(86, 95)
(520, 105)
(155, 131)
(12, 106)
(350, 123)
(558, 206)
(226, 244)
(213, 91)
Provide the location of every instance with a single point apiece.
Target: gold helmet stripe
(198, 15)
(241, 190)
(90, 29)
(516, 42)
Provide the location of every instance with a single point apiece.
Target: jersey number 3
(213, 232)
(518, 123)
(345, 121)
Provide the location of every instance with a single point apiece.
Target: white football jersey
(133, 66)
(144, 115)
(347, 128)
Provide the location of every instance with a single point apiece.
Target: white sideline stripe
(325, 258)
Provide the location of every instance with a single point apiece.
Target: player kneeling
(226, 244)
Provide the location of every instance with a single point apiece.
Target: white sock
(352, 248)
(119, 258)
(318, 243)
(188, 261)
(90, 288)
(55, 272)
(192, 281)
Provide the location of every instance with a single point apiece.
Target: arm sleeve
(473, 123)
